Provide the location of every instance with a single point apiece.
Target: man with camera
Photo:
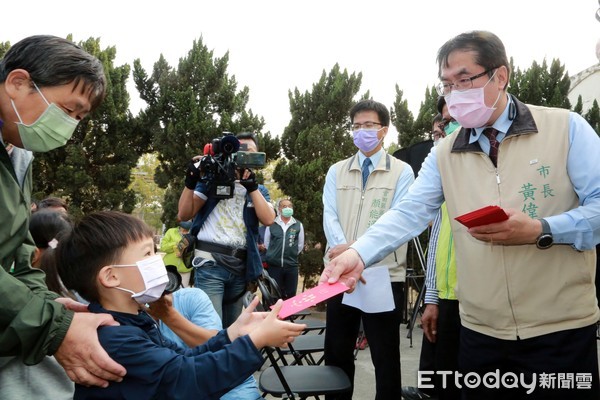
(225, 222)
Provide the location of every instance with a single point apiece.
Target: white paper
(375, 296)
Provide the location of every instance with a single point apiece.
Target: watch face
(545, 241)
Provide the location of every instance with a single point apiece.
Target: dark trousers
(286, 278)
(568, 359)
(443, 354)
(447, 347)
(427, 363)
(383, 334)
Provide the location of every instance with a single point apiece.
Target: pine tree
(402, 119)
(188, 107)
(593, 117)
(316, 137)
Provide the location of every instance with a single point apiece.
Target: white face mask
(155, 278)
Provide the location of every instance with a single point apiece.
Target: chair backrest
(269, 289)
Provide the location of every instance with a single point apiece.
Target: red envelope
(483, 216)
(310, 298)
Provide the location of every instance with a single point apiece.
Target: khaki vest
(358, 210)
(511, 292)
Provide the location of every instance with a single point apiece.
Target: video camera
(223, 157)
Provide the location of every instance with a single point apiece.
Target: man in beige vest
(526, 284)
(357, 191)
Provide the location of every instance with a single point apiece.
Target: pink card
(310, 298)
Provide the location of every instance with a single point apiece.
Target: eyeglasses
(444, 89)
(366, 125)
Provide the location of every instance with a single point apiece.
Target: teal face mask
(287, 212)
(451, 127)
(51, 130)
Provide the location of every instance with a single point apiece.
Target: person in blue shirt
(525, 285)
(175, 310)
(109, 260)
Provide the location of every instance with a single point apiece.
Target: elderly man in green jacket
(47, 85)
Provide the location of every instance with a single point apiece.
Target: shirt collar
(374, 158)
(281, 222)
(502, 123)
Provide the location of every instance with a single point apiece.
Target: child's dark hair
(96, 241)
(48, 227)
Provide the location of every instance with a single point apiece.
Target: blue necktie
(365, 171)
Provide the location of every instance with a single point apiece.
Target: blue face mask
(287, 212)
(451, 127)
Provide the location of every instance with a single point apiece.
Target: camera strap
(218, 248)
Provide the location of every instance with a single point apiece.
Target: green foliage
(311, 263)
(92, 172)
(579, 106)
(593, 117)
(392, 148)
(270, 145)
(188, 106)
(428, 110)
(4, 46)
(542, 86)
(316, 137)
(148, 196)
(402, 118)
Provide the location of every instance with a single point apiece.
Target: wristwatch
(545, 240)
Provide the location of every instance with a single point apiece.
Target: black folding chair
(302, 381)
(305, 348)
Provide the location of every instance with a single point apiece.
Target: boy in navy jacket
(109, 260)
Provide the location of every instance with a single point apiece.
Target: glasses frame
(356, 127)
(467, 82)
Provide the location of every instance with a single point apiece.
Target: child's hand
(247, 321)
(274, 332)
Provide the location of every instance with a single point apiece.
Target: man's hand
(429, 321)
(193, 173)
(338, 249)
(82, 356)
(346, 268)
(162, 308)
(519, 228)
(248, 180)
(71, 304)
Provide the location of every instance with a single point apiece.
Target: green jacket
(445, 259)
(31, 325)
(169, 245)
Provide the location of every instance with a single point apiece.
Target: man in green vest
(284, 241)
